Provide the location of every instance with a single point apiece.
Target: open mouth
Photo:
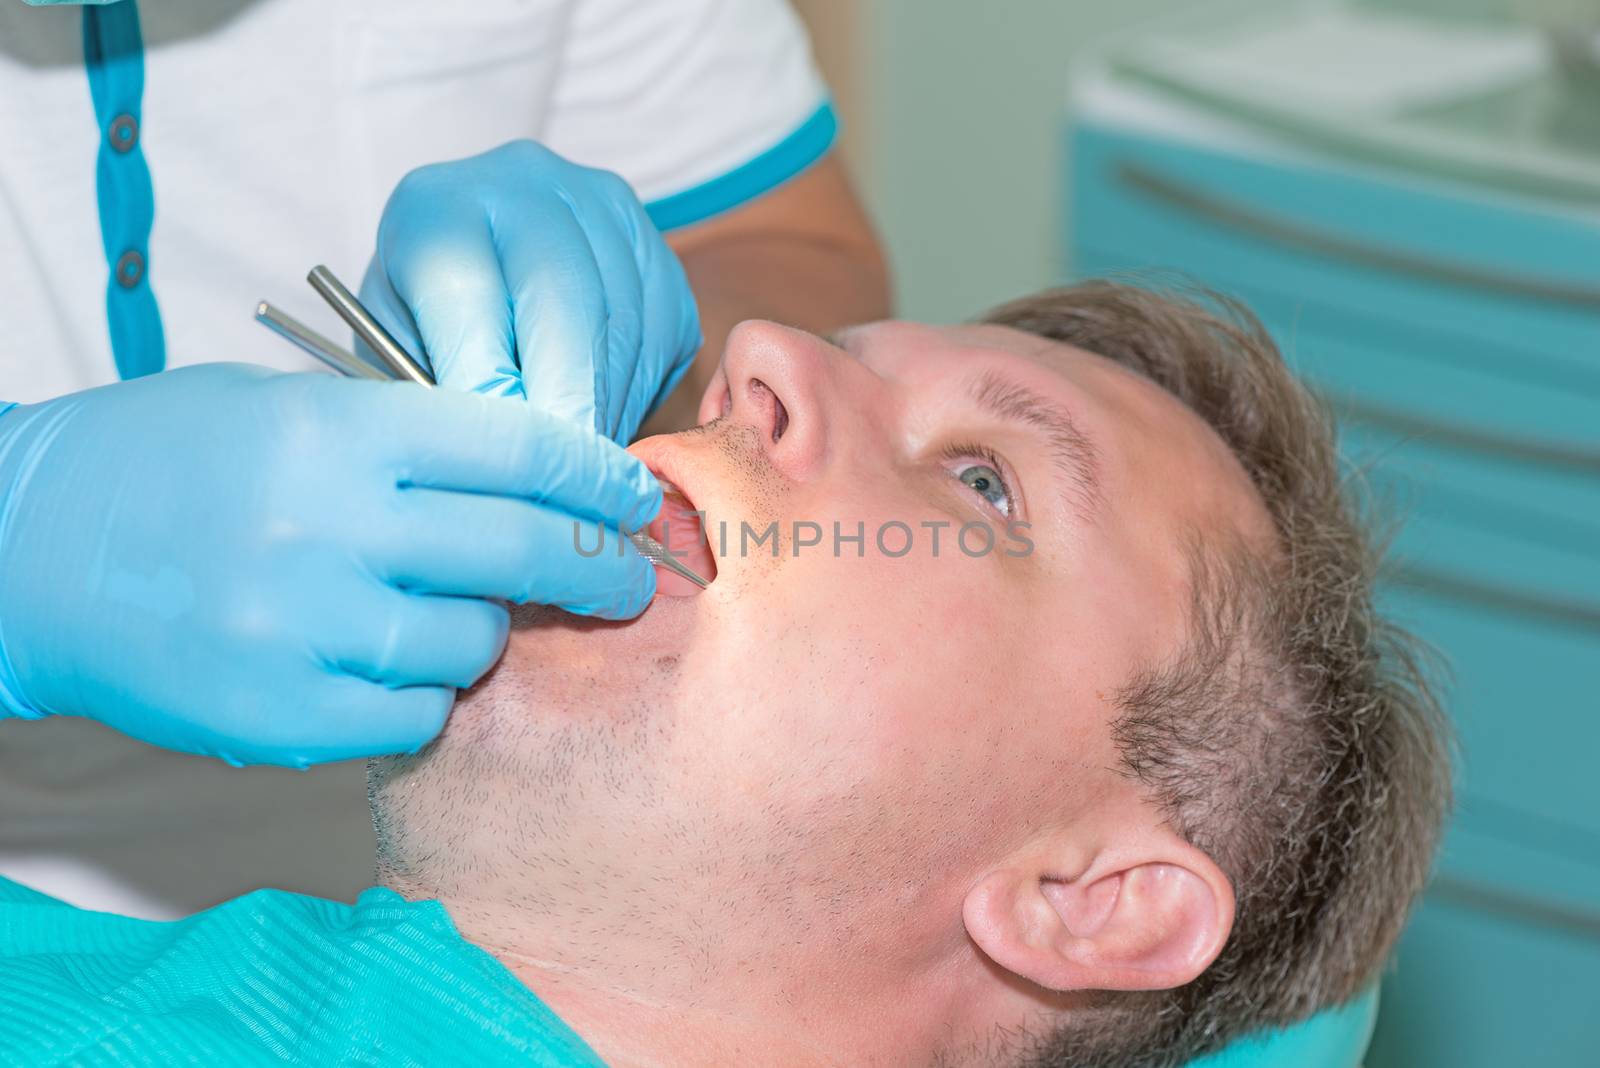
(681, 531)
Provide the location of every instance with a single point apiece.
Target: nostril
(780, 414)
(780, 418)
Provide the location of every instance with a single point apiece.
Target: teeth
(674, 495)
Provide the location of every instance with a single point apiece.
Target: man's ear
(1150, 916)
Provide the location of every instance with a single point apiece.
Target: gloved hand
(290, 569)
(519, 274)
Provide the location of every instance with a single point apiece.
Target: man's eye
(979, 469)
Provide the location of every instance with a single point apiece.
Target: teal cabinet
(1458, 334)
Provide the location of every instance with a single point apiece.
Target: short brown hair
(1295, 738)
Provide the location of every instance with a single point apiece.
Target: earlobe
(1145, 925)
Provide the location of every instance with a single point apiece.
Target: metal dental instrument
(402, 366)
(366, 327)
(657, 554)
(297, 333)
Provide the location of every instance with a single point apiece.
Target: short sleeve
(701, 105)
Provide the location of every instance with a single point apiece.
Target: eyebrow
(1073, 454)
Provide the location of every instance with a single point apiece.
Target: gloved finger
(671, 321)
(443, 265)
(614, 236)
(478, 546)
(560, 307)
(346, 718)
(496, 446)
(386, 306)
(361, 718)
(413, 639)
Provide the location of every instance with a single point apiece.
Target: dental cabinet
(1419, 228)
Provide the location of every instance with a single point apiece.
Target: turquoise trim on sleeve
(113, 56)
(766, 172)
(1333, 1038)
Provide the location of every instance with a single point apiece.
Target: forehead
(1094, 388)
(916, 352)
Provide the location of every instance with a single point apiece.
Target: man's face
(819, 753)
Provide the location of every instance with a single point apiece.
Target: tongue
(679, 530)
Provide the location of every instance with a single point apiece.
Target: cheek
(864, 669)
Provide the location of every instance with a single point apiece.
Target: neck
(629, 1030)
(641, 1005)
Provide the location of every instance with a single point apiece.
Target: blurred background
(1408, 193)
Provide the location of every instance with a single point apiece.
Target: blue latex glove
(291, 569)
(519, 274)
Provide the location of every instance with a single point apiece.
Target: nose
(785, 383)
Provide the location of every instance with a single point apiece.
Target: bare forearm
(790, 280)
(804, 256)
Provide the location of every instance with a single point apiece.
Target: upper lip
(664, 457)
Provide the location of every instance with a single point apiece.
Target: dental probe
(297, 333)
(346, 363)
(366, 327)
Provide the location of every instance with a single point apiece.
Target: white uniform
(274, 130)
